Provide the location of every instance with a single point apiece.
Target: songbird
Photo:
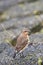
(22, 40)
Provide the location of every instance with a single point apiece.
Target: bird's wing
(24, 44)
(24, 40)
(21, 40)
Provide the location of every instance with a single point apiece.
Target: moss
(36, 12)
(41, 31)
(39, 61)
(1, 13)
(13, 41)
(2, 17)
(10, 41)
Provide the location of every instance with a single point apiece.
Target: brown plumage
(22, 40)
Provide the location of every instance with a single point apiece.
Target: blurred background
(14, 16)
(18, 14)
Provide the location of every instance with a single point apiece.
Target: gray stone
(31, 53)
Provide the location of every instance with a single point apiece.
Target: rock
(25, 15)
(3, 47)
(7, 49)
(17, 14)
(36, 38)
(24, 10)
(31, 53)
(13, 27)
(5, 60)
(20, 23)
(6, 54)
(5, 4)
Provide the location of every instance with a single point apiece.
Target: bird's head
(26, 31)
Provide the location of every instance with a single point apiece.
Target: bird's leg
(21, 54)
(14, 55)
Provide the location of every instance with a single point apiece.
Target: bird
(22, 40)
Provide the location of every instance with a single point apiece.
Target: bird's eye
(25, 31)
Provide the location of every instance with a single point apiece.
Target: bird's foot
(14, 55)
(22, 55)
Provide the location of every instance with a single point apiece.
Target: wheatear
(22, 40)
